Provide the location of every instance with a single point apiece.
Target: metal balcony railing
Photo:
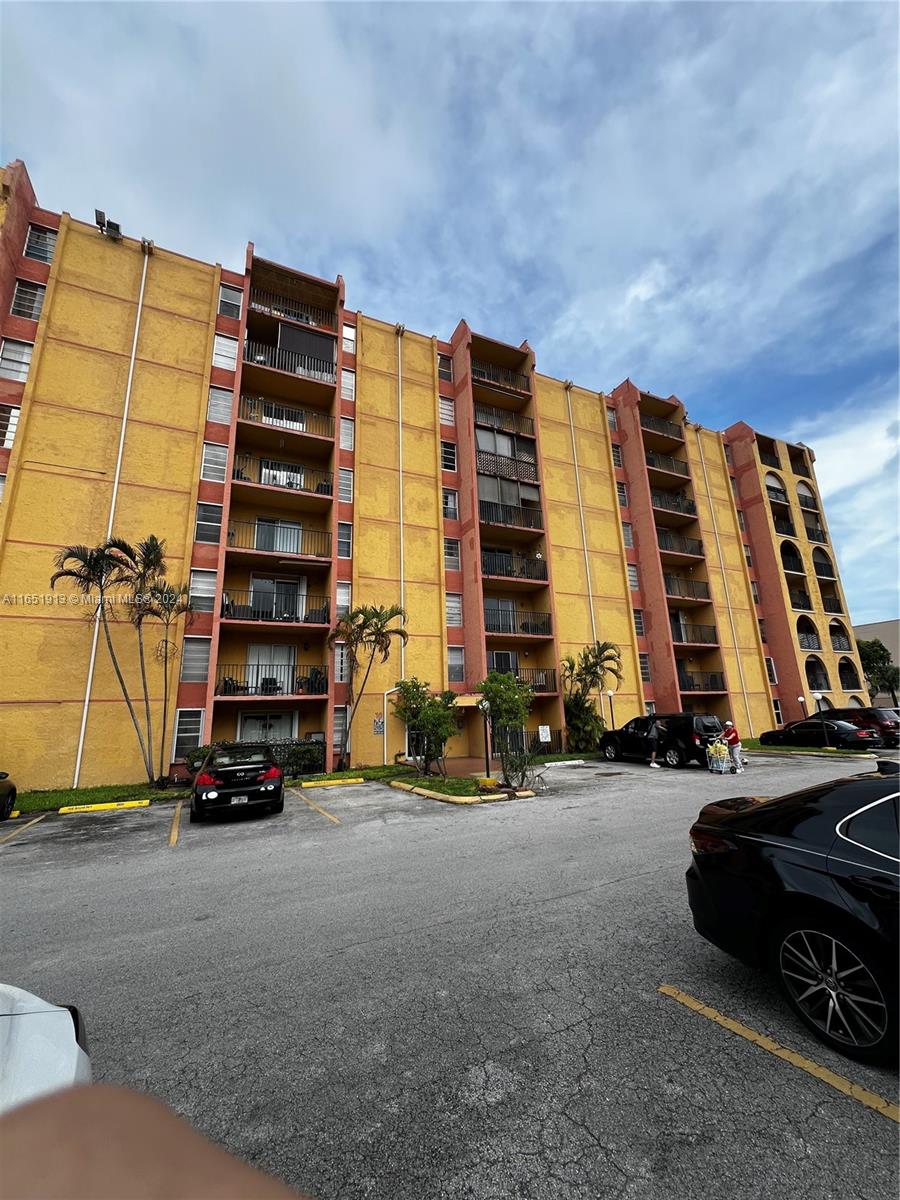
(770, 460)
(777, 494)
(660, 425)
(815, 533)
(678, 544)
(704, 635)
(510, 514)
(294, 477)
(295, 310)
(530, 739)
(809, 641)
(784, 527)
(512, 566)
(800, 600)
(838, 642)
(673, 502)
(807, 502)
(507, 468)
(793, 565)
(488, 373)
(502, 418)
(701, 681)
(693, 589)
(665, 462)
(279, 538)
(517, 620)
(289, 360)
(832, 604)
(278, 604)
(539, 679)
(282, 416)
(267, 679)
(849, 680)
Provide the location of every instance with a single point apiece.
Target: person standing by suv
(733, 741)
(656, 730)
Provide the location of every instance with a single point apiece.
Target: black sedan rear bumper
(224, 800)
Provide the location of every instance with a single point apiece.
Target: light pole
(801, 700)
(485, 709)
(612, 711)
(817, 696)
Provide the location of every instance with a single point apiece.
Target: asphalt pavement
(414, 999)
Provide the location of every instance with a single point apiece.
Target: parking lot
(378, 994)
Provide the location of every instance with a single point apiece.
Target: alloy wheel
(833, 988)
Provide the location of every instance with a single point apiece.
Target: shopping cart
(718, 759)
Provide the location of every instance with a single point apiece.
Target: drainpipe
(587, 558)
(147, 248)
(384, 730)
(400, 330)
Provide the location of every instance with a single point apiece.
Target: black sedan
(237, 775)
(814, 731)
(807, 885)
(7, 795)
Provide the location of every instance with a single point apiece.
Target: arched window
(848, 674)
(855, 702)
(823, 565)
(816, 675)
(840, 638)
(807, 497)
(775, 487)
(807, 634)
(791, 560)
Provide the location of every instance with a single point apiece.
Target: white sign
(543, 733)
(378, 724)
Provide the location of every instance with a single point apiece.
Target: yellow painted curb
(329, 782)
(80, 808)
(14, 813)
(404, 787)
(525, 795)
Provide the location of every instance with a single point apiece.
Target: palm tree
(94, 570)
(167, 602)
(366, 631)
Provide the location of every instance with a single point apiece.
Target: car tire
(612, 751)
(278, 806)
(8, 805)
(813, 937)
(195, 816)
(674, 757)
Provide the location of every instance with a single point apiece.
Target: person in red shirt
(733, 741)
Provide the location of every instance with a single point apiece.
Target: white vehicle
(42, 1047)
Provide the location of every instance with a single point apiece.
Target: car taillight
(272, 773)
(707, 843)
(204, 779)
(696, 739)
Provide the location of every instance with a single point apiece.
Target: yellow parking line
(15, 833)
(315, 806)
(870, 1099)
(176, 824)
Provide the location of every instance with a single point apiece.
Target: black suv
(683, 740)
(882, 720)
(237, 775)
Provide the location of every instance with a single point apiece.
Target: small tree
(878, 668)
(429, 719)
(509, 703)
(587, 673)
(166, 603)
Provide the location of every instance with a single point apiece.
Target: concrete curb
(317, 783)
(765, 752)
(83, 808)
(484, 798)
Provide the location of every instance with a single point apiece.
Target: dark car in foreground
(237, 775)
(807, 885)
(7, 795)
(684, 739)
(882, 721)
(818, 731)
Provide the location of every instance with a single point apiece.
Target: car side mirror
(4, 774)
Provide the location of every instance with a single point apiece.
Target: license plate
(239, 799)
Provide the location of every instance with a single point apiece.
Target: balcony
(815, 533)
(676, 505)
(539, 679)
(511, 515)
(283, 604)
(659, 425)
(241, 680)
(694, 635)
(292, 362)
(701, 681)
(262, 411)
(808, 503)
(665, 465)
(513, 566)
(809, 641)
(832, 604)
(269, 536)
(776, 494)
(674, 543)
(823, 572)
(517, 621)
(798, 466)
(289, 477)
(769, 459)
(483, 372)
(839, 642)
(801, 600)
(793, 566)
(784, 527)
(291, 309)
(503, 419)
(507, 468)
(689, 589)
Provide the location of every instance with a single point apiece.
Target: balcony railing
(510, 514)
(770, 460)
(280, 604)
(517, 620)
(291, 361)
(839, 642)
(665, 462)
(807, 502)
(784, 527)
(815, 533)
(488, 373)
(530, 739)
(832, 604)
(512, 566)
(266, 679)
(507, 468)
(701, 681)
(793, 565)
(801, 600)
(809, 641)
(297, 420)
(673, 502)
(295, 310)
(704, 635)
(539, 679)
(660, 425)
(292, 476)
(502, 418)
(279, 538)
(824, 572)
(777, 494)
(678, 544)
(693, 589)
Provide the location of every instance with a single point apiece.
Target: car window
(884, 714)
(810, 816)
(875, 828)
(804, 726)
(707, 724)
(637, 725)
(235, 758)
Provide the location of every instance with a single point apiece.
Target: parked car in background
(819, 731)
(684, 739)
(807, 885)
(43, 1047)
(883, 721)
(237, 775)
(7, 795)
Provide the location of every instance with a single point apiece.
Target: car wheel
(195, 816)
(7, 806)
(612, 752)
(836, 983)
(278, 806)
(674, 757)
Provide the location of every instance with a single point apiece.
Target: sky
(701, 197)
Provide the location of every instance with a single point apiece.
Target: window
(2, 485)
(342, 599)
(448, 410)
(454, 609)
(230, 300)
(445, 368)
(345, 539)
(638, 621)
(203, 590)
(729, 456)
(214, 460)
(348, 339)
(225, 352)
(9, 420)
(28, 299)
(219, 406)
(456, 664)
(340, 729)
(770, 671)
(628, 534)
(779, 718)
(345, 485)
(195, 660)
(348, 385)
(188, 731)
(451, 554)
(875, 828)
(451, 504)
(15, 358)
(448, 456)
(741, 524)
(633, 577)
(341, 666)
(209, 523)
(645, 667)
(748, 557)
(40, 243)
(754, 590)
(734, 490)
(617, 455)
(348, 433)
(611, 418)
(650, 708)
(762, 630)
(622, 494)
